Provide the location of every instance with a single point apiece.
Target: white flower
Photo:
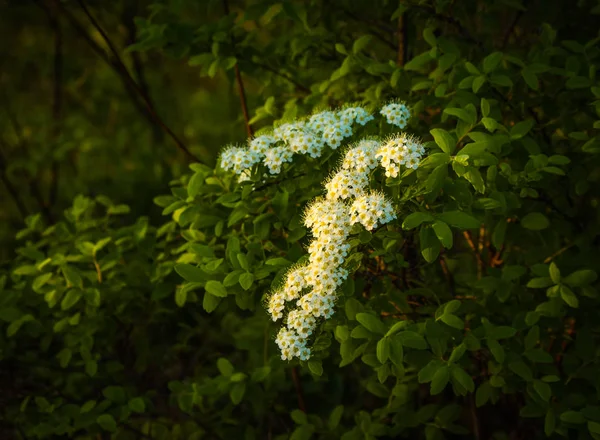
(396, 113)
(372, 209)
(238, 159)
(260, 144)
(399, 150)
(276, 157)
(345, 184)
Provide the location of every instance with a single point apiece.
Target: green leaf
(181, 296)
(440, 380)
(87, 406)
(137, 405)
(537, 355)
(72, 276)
(521, 369)
(458, 353)
(191, 273)
(593, 427)
(243, 260)
(580, 278)
(246, 279)
(543, 390)
(210, 303)
(412, 339)
(428, 371)
(299, 417)
(530, 78)
(463, 378)
(237, 392)
(64, 357)
(195, 184)
(478, 82)
(500, 332)
(70, 299)
(496, 350)
(107, 422)
(540, 283)
(485, 107)
(216, 288)
(444, 140)
(520, 129)
(490, 63)
(383, 350)
(483, 394)
(436, 179)
(396, 354)
(473, 176)
(315, 366)
(415, 219)
(568, 296)
(461, 114)
(430, 246)
(459, 219)
(335, 417)
(40, 281)
(574, 417)
(443, 233)
(554, 273)
(532, 338)
(114, 393)
(453, 321)
(417, 62)
(361, 43)
(225, 367)
(535, 221)
(578, 82)
(371, 323)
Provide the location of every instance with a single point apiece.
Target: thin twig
(120, 68)
(474, 418)
(469, 238)
(240, 82)
(298, 386)
(401, 55)
(57, 103)
(558, 252)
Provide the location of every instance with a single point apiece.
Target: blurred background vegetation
(104, 97)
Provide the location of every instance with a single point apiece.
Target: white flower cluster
(307, 137)
(399, 150)
(313, 286)
(396, 113)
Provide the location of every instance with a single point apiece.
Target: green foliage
(472, 315)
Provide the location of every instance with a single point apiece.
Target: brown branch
(469, 238)
(474, 418)
(558, 252)
(298, 386)
(138, 67)
(447, 274)
(57, 103)
(240, 82)
(401, 55)
(119, 67)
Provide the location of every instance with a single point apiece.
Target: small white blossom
(372, 209)
(396, 113)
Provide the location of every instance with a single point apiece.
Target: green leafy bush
(472, 314)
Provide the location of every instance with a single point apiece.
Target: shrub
(467, 311)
